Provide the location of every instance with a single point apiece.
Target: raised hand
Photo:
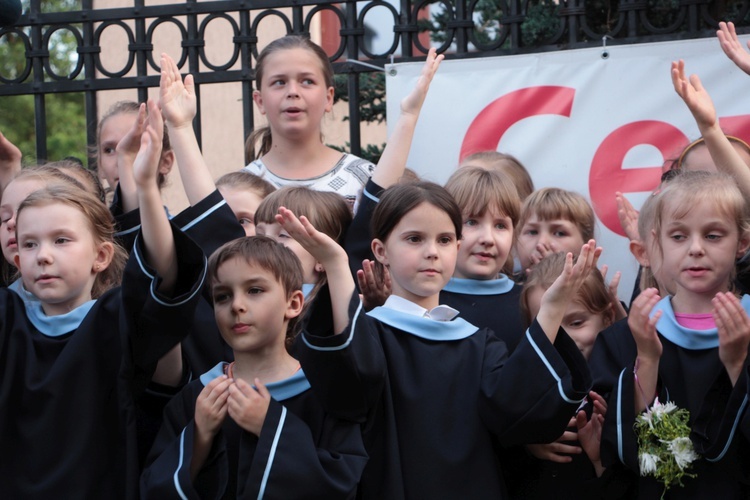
(612, 286)
(643, 325)
(412, 103)
(146, 164)
(176, 98)
(628, 216)
(375, 284)
(734, 332)
(248, 406)
(10, 155)
(318, 244)
(732, 47)
(694, 95)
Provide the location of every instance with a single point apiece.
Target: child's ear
(105, 252)
(378, 250)
(329, 99)
(639, 252)
(294, 304)
(17, 261)
(258, 100)
(166, 162)
(743, 245)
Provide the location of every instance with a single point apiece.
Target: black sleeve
(359, 235)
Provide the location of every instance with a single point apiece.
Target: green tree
(65, 113)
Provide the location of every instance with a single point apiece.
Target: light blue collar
(56, 326)
(467, 286)
(26, 296)
(280, 390)
(686, 337)
(426, 328)
(307, 288)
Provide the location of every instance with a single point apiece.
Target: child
(325, 210)
(244, 192)
(252, 428)
(552, 220)
(294, 80)
(74, 363)
(486, 297)
(431, 390)
(684, 342)
(562, 470)
(505, 163)
(125, 120)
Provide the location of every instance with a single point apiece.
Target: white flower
(682, 449)
(648, 463)
(663, 409)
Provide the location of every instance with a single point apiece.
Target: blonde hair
(645, 225)
(594, 294)
(477, 190)
(507, 164)
(100, 222)
(555, 203)
(692, 188)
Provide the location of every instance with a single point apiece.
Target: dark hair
(263, 134)
(100, 223)
(121, 107)
(399, 200)
(265, 253)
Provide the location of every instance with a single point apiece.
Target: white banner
(575, 119)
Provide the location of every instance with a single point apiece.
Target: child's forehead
(679, 209)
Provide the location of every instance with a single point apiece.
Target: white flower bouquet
(664, 447)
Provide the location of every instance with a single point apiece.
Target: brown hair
(82, 175)
(328, 212)
(265, 253)
(263, 134)
(100, 223)
(594, 294)
(399, 200)
(248, 181)
(676, 164)
(118, 108)
(505, 163)
(556, 203)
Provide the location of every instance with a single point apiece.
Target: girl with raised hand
(431, 390)
(686, 351)
(294, 90)
(88, 350)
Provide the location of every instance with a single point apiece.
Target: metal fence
(461, 28)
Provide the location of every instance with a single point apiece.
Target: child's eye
(28, 244)
(277, 83)
(560, 234)
(501, 225)
(413, 239)
(254, 290)
(220, 297)
(246, 221)
(677, 237)
(60, 240)
(713, 237)
(308, 81)
(531, 232)
(576, 323)
(470, 222)
(445, 240)
(284, 234)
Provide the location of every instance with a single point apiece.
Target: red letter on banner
(493, 121)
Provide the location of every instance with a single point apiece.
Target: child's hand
(130, 144)
(558, 451)
(146, 164)
(412, 103)
(10, 155)
(732, 47)
(248, 406)
(211, 407)
(643, 326)
(565, 287)
(734, 332)
(541, 251)
(695, 96)
(628, 217)
(375, 284)
(612, 286)
(176, 99)
(319, 245)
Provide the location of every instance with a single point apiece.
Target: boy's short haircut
(264, 253)
(477, 189)
(555, 203)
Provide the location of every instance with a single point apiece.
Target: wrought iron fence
(461, 28)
